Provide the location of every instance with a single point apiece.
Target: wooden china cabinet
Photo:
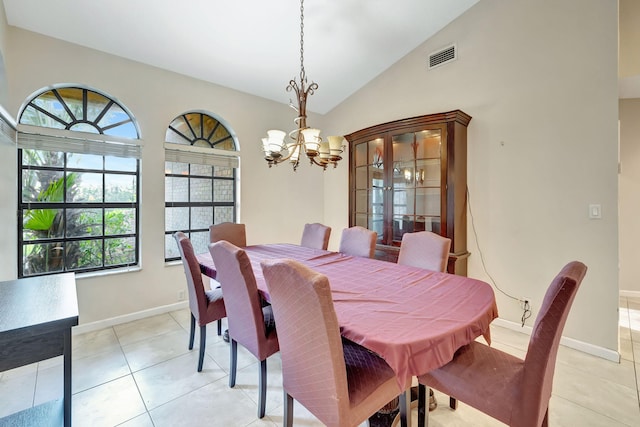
(411, 175)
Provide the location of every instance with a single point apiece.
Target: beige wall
(629, 38)
(274, 204)
(542, 147)
(7, 174)
(540, 81)
(629, 184)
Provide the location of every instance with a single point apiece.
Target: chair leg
(233, 362)
(262, 388)
(203, 343)
(403, 403)
(192, 331)
(288, 410)
(423, 412)
(219, 327)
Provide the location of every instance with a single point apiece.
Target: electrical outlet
(181, 296)
(524, 301)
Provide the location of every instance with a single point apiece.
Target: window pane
(42, 224)
(84, 254)
(223, 190)
(120, 251)
(224, 144)
(31, 116)
(223, 214)
(170, 247)
(42, 186)
(95, 105)
(221, 171)
(201, 217)
(72, 97)
(176, 189)
(120, 188)
(84, 161)
(181, 126)
(42, 258)
(84, 222)
(200, 190)
(115, 114)
(200, 242)
(119, 221)
(40, 158)
(49, 102)
(201, 170)
(120, 164)
(87, 188)
(125, 130)
(176, 168)
(176, 219)
(84, 127)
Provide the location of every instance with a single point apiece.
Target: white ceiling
(252, 46)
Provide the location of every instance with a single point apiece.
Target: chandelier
(278, 148)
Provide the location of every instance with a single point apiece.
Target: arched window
(79, 174)
(200, 179)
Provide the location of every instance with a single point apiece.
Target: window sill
(123, 270)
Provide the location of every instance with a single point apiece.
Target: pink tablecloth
(414, 318)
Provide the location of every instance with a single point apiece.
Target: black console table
(36, 317)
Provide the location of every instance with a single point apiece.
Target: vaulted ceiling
(251, 46)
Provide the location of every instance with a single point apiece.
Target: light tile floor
(142, 374)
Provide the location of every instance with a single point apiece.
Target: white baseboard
(632, 294)
(582, 346)
(106, 323)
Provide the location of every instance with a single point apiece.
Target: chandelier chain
(302, 72)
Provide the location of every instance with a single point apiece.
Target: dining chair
(428, 250)
(507, 388)
(425, 249)
(251, 323)
(338, 381)
(233, 233)
(205, 305)
(358, 241)
(316, 236)
(230, 231)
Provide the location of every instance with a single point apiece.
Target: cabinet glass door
(416, 181)
(369, 186)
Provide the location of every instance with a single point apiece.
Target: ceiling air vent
(443, 56)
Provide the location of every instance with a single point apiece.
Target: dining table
(415, 319)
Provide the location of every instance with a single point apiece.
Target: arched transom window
(79, 109)
(199, 130)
